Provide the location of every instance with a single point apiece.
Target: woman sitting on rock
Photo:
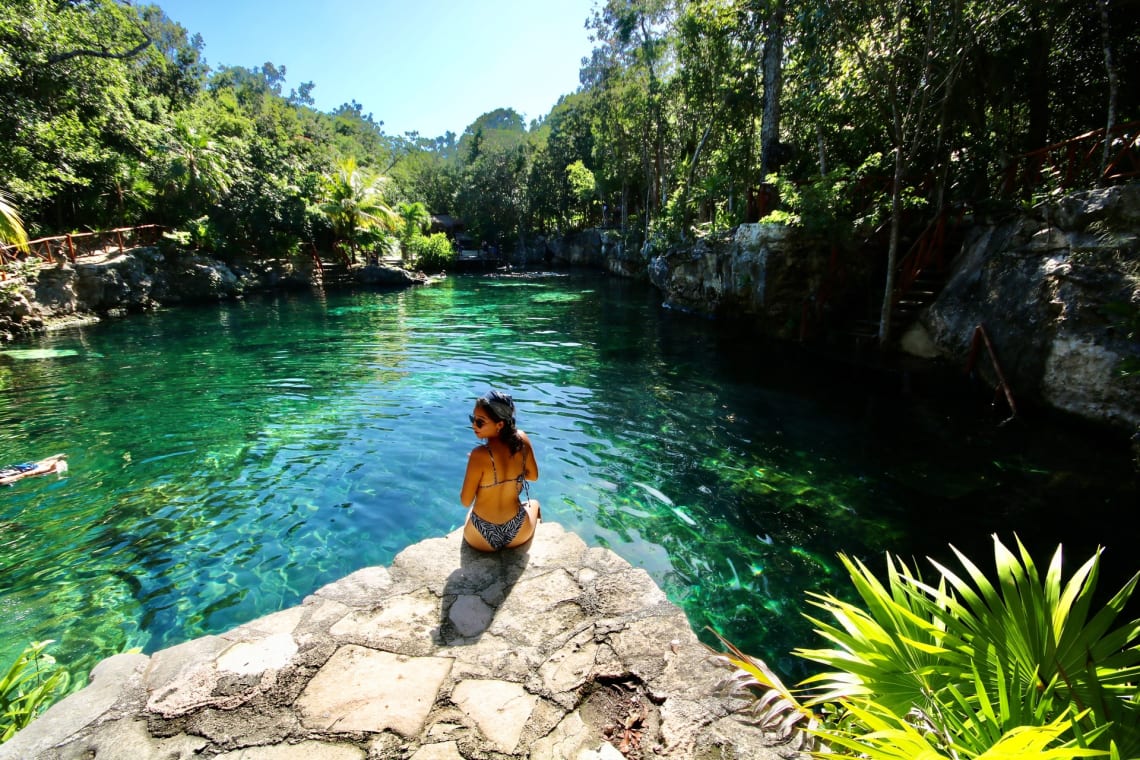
(497, 478)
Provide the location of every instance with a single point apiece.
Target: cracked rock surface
(552, 651)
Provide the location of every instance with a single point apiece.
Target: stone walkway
(554, 651)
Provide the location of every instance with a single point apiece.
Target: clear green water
(227, 461)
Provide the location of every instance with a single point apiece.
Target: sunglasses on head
(478, 422)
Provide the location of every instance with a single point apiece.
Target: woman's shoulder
(479, 452)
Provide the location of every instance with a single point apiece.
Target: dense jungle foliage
(109, 117)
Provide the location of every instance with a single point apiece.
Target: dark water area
(228, 460)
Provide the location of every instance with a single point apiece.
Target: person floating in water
(12, 473)
(497, 478)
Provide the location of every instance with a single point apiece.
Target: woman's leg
(533, 518)
(473, 537)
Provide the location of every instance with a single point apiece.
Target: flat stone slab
(450, 654)
(361, 689)
(500, 709)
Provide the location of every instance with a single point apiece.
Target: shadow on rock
(476, 589)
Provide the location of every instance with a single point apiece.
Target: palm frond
(776, 708)
(11, 226)
(897, 649)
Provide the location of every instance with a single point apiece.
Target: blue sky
(425, 65)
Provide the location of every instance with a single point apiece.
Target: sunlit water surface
(227, 461)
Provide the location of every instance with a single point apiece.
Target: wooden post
(70, 249)
(119, 235)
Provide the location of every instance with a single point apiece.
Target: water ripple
(225, 466)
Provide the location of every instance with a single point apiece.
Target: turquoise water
(226, 461)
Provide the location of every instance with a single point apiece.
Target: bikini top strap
(494, 471)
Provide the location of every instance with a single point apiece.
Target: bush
(432, 253)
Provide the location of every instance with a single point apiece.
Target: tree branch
(61, 57)
(103, 53)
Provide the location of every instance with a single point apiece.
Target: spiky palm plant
(199, 169)
(968, 668)
(11, 227)
(354, 204)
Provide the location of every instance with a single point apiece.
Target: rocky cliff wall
(1058, 291)
(113, 284)
(768, 274)
(1056, 287)
(594, 248)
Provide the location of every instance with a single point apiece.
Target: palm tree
(199, 169)
(11, 227)
(354, 203)
(416, 219)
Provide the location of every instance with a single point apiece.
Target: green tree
(83, 89)
(565, 138)
(414, 219)
(354, 203)
(715, 108)
(583, 186)
(634, 41)
(199, 171)
(495, 153)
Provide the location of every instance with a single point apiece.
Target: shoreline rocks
(110, 285)
(553, 651)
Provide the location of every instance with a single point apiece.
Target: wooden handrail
(981, 337)
(67, 244)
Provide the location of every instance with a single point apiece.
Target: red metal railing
(928, 252)
(79, 244)
(1077, 161)
(982, 338)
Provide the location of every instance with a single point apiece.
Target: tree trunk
(773, 84)
(689, 179)
(822, 150)
(624, 205)
(1112, 87)
(892, 252)
(1037, 135)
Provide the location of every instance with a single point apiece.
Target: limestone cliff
(1058, 290)
(113, 284)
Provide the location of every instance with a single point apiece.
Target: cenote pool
(228, 460)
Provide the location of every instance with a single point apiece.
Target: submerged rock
(553, 651)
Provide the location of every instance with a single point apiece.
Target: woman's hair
(501, 408)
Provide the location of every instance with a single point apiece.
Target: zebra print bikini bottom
(499, 535)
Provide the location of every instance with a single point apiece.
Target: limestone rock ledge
(553, 651)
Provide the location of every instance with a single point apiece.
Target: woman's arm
(530, 464)
(476, 463)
